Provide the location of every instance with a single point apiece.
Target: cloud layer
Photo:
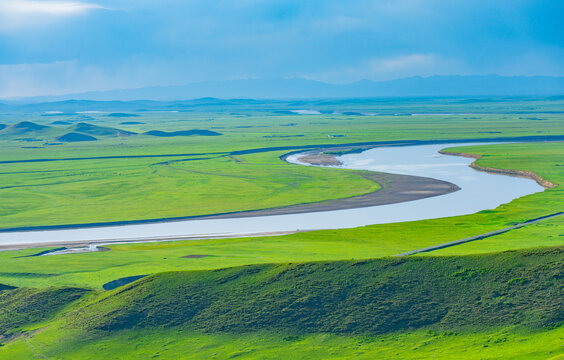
(50, 47)
(20, 14)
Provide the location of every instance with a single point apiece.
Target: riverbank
(421, 167)
(518, 173)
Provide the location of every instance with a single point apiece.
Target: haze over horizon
(61, 47)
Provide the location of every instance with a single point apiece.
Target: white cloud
(399, 63)
(72, 76)
(17, 14)
(50, 78)
(392, 67)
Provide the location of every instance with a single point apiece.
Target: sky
(57, 47)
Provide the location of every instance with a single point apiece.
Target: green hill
(192, 132)
(378, 299)
(96, 130)
(25, 306)
(346, 297)
(75, 137)
(120, 115)
(25, 128)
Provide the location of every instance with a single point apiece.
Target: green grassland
(71, 192)
(505, 343)
(117, 189)
(504, 305)
(322, 294)
(94, 269)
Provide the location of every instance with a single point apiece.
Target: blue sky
(55, 47)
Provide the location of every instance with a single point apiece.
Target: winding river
(478, 191)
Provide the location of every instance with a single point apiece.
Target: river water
(479, 191)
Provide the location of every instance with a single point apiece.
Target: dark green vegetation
(359, 301)
(122, 115)
(192, 132)
(370, 296)
(75, 137)
(94, 130)
(26, 306)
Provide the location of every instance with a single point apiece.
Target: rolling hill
(75, 137)
(191, 132)
(96, 130)
(454, 85)
(464, 298)
(25, 127)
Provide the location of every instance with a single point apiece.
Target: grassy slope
(506, 305)
(26, 306)
(95, 269)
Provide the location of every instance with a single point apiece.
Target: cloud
(405, 62)
(148, 42)
(391, 67)
(51, 78)
(17, 14)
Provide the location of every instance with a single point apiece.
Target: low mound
(121, 115)
(2, 126)
(75, 137)
(345, 297)
(25, 127)
(131, 123)
(28, 125)
(59, 122)
(192, 132)
(90, 129)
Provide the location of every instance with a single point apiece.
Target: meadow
(321, 294)
(95, 269)
(138, 177)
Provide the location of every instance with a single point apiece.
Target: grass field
(100, 190)
(506, 343)
(323, 294)
(57, 193)
(95, 269)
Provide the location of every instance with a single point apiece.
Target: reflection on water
(479, 191)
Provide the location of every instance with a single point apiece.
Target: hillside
(455, 85)
(449, 295)
(96, 130)
(191, 132)
(24, 128)
(374, 296)
(26, 305)
(75, 137)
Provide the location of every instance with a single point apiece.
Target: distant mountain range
(490, 85)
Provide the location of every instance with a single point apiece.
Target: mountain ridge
(299, 88)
